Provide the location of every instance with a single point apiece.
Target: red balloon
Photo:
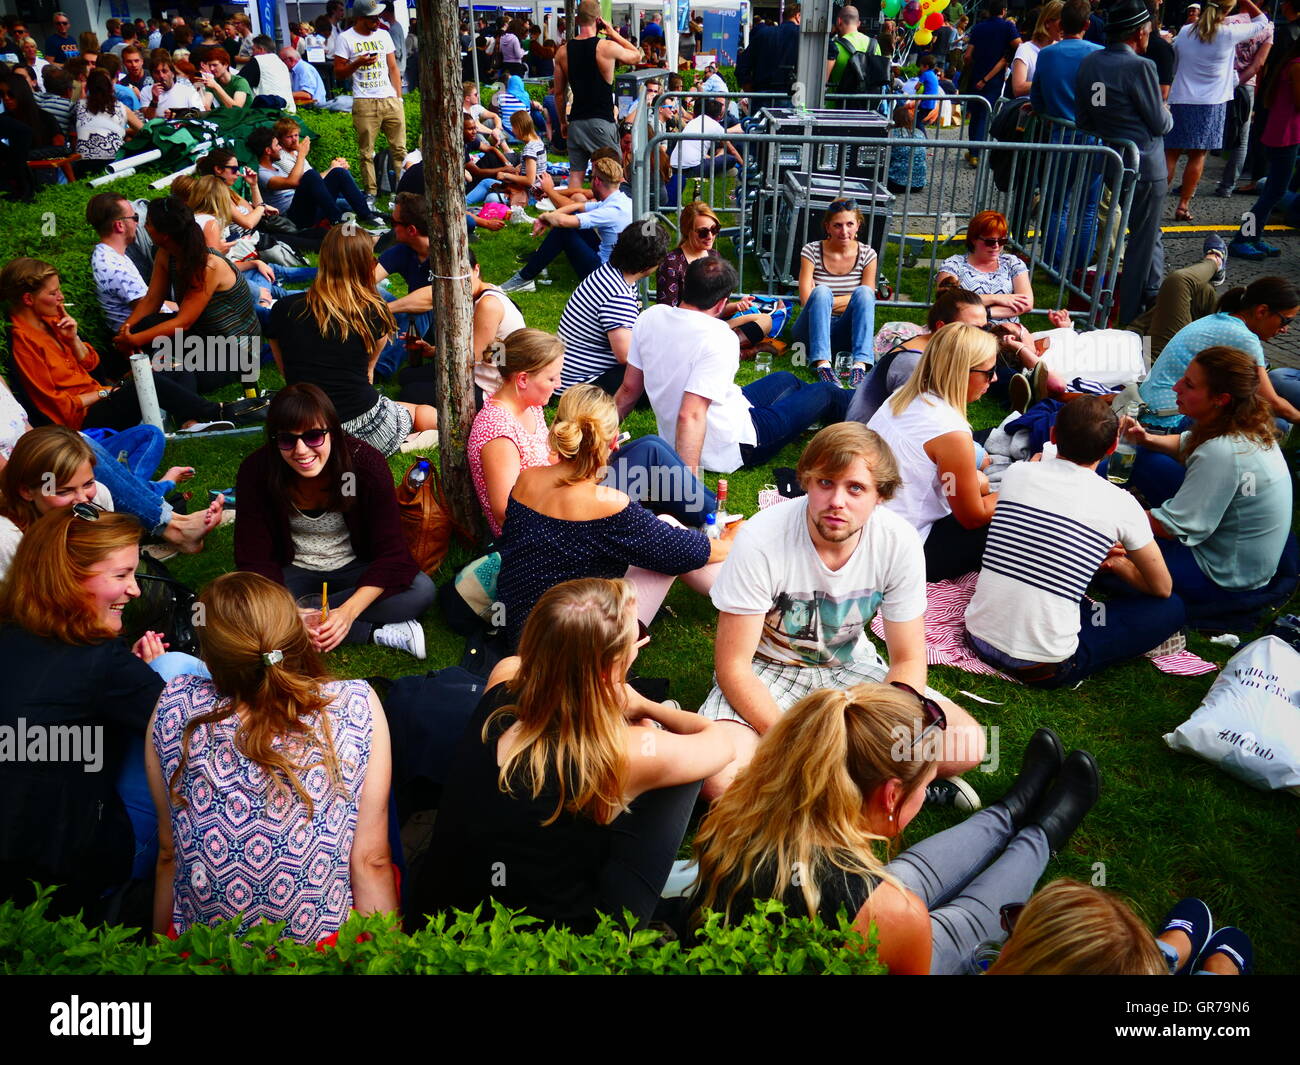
(933, 21)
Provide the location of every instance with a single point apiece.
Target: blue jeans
(129, 484)
(652, 473)
(582, 246)
(1286, 383)
(392, 357)
(783, 407)
(1110, 632)
(979, 122)
(479, 193)
(826, 332)
(1281, 162)
(133, 782)
(284, 275)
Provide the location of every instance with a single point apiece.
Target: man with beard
(798, 591)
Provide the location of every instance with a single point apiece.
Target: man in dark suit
(770, 61)
(1117, 95)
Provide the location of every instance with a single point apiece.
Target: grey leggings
(404, 606)
(965, 876)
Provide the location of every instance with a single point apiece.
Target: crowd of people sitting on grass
(248, 782)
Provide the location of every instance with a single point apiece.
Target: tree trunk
(570, 27)
(443, 150)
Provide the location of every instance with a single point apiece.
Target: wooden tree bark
(443, 150)
(570, 25)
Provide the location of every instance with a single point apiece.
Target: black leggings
(953, 551)
(176, 396)
(644, 843)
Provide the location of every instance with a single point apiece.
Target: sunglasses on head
(87, 511)
(931, 712)
(313, 438)
(704, 232)
(842, 205)
(995, 242)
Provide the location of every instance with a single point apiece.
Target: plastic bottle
(419, 474)
(711, 529)
(1120, 466)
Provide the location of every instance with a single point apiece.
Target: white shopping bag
(1249, 723)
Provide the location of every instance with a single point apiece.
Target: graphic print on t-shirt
(816, 629)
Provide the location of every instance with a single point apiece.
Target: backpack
(864, 72)
(1008, 125)
(426, 519)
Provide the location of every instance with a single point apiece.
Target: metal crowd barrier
(1066, 196)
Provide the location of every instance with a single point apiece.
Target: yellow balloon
(923, 36)
(938, 5)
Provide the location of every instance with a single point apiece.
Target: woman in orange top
(55, 363)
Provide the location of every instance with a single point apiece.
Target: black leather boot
(1038, 768)
(1073, 795)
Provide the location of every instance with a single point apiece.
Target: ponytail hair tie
(272, 658)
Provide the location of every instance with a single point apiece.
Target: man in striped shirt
(597, 322)
(1057, 523)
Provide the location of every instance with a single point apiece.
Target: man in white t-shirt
(685, 360)
(1057, 523)
(170, 93)
(702, 158)
(365, 54)
(796, 596)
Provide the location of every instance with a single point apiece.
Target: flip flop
(1183, 215)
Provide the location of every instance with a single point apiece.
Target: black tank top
(593, 96)
(491, 845)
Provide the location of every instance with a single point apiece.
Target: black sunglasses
(1284, 320)
(988, 374)
(704, 232)
(994, 242)
(87, 511)
(129, 218)
(1010, 914)
(933, 713)
(313, 438)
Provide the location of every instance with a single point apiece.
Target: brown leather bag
(426, 518)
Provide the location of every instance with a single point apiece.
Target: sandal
(1183, 215)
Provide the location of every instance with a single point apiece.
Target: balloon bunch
(925, 15)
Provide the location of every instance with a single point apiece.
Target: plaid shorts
(789, 684)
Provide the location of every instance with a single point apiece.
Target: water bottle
(711, 529)
(1120, 466)
(419, 474)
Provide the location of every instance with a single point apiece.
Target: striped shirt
(839, 284)
(1054, 524)
(603, 301)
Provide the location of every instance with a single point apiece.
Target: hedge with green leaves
(765, 943)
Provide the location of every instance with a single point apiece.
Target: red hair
(985, 224)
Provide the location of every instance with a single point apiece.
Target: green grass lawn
(1166, 826)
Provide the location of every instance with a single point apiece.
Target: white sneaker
(405, 636)
(519, 283)
(518, 214)
(207, 427)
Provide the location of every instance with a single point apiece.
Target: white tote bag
(1249, 723)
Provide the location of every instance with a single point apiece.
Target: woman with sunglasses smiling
(858, 762)
(837, 281)
(699, 228)
(944, 495)
(317, 507)
(1246, 318)
(69, 821)
(581, 786)
(1000, 278)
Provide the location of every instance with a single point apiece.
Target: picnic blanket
(945, 635)
(182, 140)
